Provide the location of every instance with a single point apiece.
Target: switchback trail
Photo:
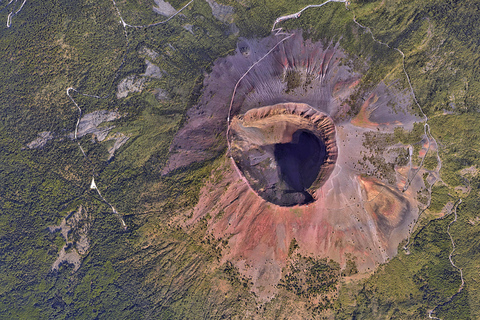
(297, 14)
(426, 130)
(426, 126)
(278, 31)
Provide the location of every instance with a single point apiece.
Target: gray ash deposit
(297, 70)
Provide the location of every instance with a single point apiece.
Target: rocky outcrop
(90, 124)
(129, 85)
(152, 70)
(74, 229)
(152, 54)
(119, 140)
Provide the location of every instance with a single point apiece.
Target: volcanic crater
(306, 166)
(285, 151)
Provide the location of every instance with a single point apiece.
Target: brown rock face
(285, 151)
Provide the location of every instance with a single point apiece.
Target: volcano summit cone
(315, 159)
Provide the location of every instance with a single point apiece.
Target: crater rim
(254, 136)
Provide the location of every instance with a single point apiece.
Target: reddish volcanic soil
(367, 220)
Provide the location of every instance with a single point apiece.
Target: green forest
(155, 269)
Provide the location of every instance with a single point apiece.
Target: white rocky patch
(161, 94)
(134, 83)
(221, 12)
(89, 124)
(152, 54)
(120, 139)
(152, 71)
(164, 8)
(41, 141)
(188, 27)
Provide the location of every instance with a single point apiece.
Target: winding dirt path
(297, 14)
(278, 31)
(450, 257)
(93, 186)
(430, 139)
(13, 13)
(237, 170)
(427, 134)
(426, 126)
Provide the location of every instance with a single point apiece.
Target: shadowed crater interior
(299, 161)
(286, 151)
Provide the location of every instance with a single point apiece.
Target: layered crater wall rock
(286, 151)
